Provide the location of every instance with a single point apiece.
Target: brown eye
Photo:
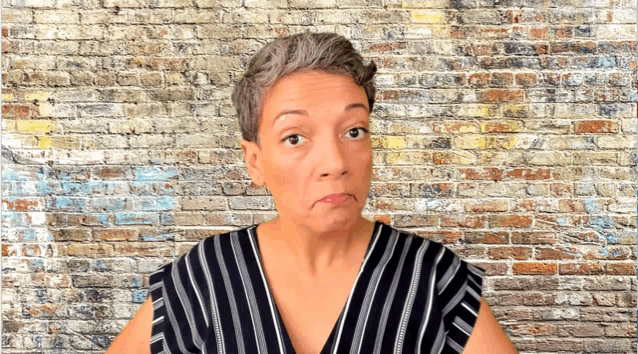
(355, 129)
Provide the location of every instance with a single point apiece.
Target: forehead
(315, 93)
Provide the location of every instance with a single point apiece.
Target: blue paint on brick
(591, 206)
(162, 237)
(41, 294)
(156, 203)
(113, 203)
(45, 188)
(139, 296)
(82, 188)
(35, 265)
(562, 221)
(605, 62)
(69, 203)
(10, 174)
(29, 235)
(601, 221)
(136, 282)
(167, 219)
(155, 174)
(135, 218)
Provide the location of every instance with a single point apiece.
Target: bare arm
(488, 336)
(136, 336)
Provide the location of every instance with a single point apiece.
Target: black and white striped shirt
(412, 295)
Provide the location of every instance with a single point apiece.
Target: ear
(253, 158)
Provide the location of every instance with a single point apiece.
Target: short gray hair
(301, 52)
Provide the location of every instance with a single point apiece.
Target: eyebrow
(305, 113)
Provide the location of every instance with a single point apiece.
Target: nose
(334, 158)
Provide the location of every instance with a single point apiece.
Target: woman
(319, 278)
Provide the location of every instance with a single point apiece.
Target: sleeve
(177, 321)
(460, 287)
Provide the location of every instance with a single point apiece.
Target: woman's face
(306, 156)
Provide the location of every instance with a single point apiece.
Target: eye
(297, 135)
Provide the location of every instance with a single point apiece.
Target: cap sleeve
(459, 286)
(176, 311)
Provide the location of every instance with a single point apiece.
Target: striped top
(411, 295)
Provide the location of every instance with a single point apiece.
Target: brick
(478, 206)
(580, 268)
(534, 268)
(618, 268)
(518, 253)
(516, 221)
(595, 126)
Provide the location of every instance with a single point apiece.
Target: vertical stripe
(213, 301)
(231, 296)
(429, 303)
(375, 275)
(363, 321)
(250, 295)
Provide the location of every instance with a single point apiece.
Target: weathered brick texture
(503, 129)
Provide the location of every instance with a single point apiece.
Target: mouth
(336, 198)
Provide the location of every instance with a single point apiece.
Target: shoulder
(440, 257)
(204, 254)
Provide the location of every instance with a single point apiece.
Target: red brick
(539, 32)
(22, 205)
(543, 253)
(617, 268)
(487, 173)
(473, 222)
(571, 205)
(494, 205)
(510, 221)
(526, 79)
(563, 32)
(519, 253)
(533, 268)
(529, 174)
(115, 234)
(595, 126)
(455, 127)
(17, 111)
(580, 268)
(479, 79)
(111, 173)
(31, 250)
(560, 189)
(501, 95)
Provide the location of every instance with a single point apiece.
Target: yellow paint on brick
(467, 129)
(8, 97)
(37, 95)
(510, 142)
(44, 142)
(427, 16)
(43, 126)
(397, 158)
(394, 142)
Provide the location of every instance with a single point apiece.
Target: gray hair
(301, 52)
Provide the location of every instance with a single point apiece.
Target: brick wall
(503, 129)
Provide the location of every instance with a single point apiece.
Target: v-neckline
(280, 321)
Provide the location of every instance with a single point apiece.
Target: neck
(314, 251)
